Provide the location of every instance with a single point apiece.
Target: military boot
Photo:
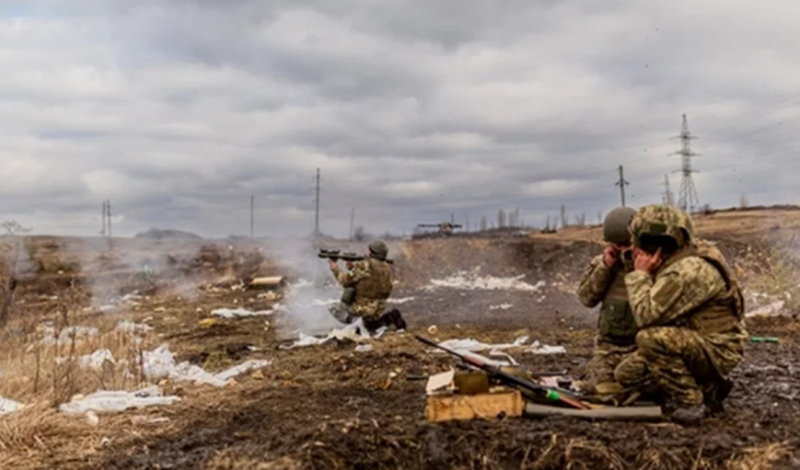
(397, 320)
(716, 394)
(685, 414)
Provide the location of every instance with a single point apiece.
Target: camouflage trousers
(605, 359)
(671, 361)
(342, 313)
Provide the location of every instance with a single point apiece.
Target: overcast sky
(179, 110)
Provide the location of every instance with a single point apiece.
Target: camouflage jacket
(595, 282)
(372, 281)
(674, 293)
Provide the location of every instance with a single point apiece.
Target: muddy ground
(329, 406)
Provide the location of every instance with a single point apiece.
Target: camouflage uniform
(372, 280)
(616, 328)
(600, 284)
(690, 315)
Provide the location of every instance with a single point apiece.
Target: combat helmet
(615, 225)
(379, 250)
(659, 222)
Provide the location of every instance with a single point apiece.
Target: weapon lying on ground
(509, 379)
(336, 255)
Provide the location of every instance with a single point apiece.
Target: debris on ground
(8, 406)
(67, 334)
(96, 360)
(770, 310)
(474, 345)
(127, 326)
(105, 400)
(160, 363)
(355, 332)
(267, 282)
(537, 348)
(241, 312)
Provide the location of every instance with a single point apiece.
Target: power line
(758, 112)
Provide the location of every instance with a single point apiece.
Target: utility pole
(103, 232)
(467, 222)
(688, 199)
(668, 199)
(452, 218)
(252, 214)
(316, 205)
(352, 222)
(621, 183)
(108, 217)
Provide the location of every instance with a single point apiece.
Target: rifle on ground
(509, 379)
(337, 255)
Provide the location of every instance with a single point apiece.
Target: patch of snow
(501, 307)
(400, 301)
(104, 400)
(473, 281)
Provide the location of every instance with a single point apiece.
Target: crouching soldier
(690, 313)
(603, 283)
(368, 285)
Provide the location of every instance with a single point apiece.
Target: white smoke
(111, 270)
(312, 287)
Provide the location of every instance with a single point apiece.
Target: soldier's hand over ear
(644, 261)
(610, 255)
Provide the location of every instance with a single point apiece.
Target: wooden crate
(447, 407)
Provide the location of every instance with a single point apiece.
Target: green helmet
(659, 221)
(379, 250)
(615, 225)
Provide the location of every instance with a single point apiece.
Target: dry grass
(228, 460)
(36, 371)
(759, 458)
(579, 452)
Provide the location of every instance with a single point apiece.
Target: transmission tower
(687, 201)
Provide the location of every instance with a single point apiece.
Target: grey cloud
(179, 111)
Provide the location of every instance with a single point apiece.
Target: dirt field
(330, 406)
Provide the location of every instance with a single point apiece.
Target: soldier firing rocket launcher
(336, 255)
